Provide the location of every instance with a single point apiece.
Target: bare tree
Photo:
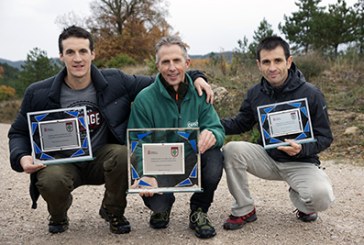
(113, 15)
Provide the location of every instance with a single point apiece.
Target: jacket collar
(181, 91)
(294, 80)
(97, 79)
(163, 90)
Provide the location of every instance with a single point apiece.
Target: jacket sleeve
(136, 83)
(243, 121)
(138, 119)
(194, 74)
(320, 125)
(19, 139)
(210, 120)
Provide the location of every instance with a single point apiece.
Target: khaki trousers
(310, 188)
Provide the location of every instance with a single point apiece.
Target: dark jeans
(211, 171)
(56, 182)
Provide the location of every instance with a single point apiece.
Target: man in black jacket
(298, 164)
(107, 95)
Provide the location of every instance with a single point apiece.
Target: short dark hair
(74, 31)
(270, 43)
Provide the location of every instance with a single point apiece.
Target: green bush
(311, 65)
(152, 67)
(120, 61)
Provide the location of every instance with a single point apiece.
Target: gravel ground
(343, 223)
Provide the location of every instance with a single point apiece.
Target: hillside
(343, 86)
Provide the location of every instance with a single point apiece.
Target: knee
(212, 165)
(53, 181)
(321, 197)
(117, 159)
(235, 154)
(234, 148)
(230, 148)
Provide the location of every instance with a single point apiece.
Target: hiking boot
(118, 223)
(306, 217)
(160, 220)
(236, 222)
(57, 226)
(200, 223)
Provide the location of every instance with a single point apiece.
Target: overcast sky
(206, 25)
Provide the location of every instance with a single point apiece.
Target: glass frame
(290, 118)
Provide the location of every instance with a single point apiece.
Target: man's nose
(77, 57)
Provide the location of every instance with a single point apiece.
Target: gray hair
(168, 41)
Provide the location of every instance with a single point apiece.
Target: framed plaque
(60, 136)
(169, 155)
(285, 120)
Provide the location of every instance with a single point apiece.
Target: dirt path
(343, 223)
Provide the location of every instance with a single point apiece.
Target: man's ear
(93, 55)
(258, 63)
(61, 56)
(289, 61)
(188, 62)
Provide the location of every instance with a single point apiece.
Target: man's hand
(293, 149)
(206, 141)
(202, 85)
(151, 181)
(29, 167)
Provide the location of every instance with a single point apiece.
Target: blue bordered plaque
(285, 120)
(170, 155)
(60, 135)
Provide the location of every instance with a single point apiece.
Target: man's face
(77, 57)
(274, 66)
(172, 64)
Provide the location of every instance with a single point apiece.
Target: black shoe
(306, 217)
(57, 226)
(160, 220)
(60, 226)
(200, 223)
(118, 224)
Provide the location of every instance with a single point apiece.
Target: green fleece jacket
(154, 108)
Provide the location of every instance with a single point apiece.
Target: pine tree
(36, 67)
(298, 28)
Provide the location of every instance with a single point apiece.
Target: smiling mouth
(273, 75)
(173, 77)
(78, 66)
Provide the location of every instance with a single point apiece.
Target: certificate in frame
(60, 135)
(285, 120)
(170, 155)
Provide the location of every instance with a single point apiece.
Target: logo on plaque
(174, 151)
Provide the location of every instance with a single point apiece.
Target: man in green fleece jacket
(172, 102)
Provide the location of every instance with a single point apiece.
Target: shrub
(152, 68)
(7, 92)
(311, 65)
(120, 60)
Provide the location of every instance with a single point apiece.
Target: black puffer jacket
(295, 87)
(115, 93)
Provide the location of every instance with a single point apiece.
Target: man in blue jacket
(298, 164)
(171, 102)
(107, 95)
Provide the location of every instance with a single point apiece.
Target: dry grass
(342, 84)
